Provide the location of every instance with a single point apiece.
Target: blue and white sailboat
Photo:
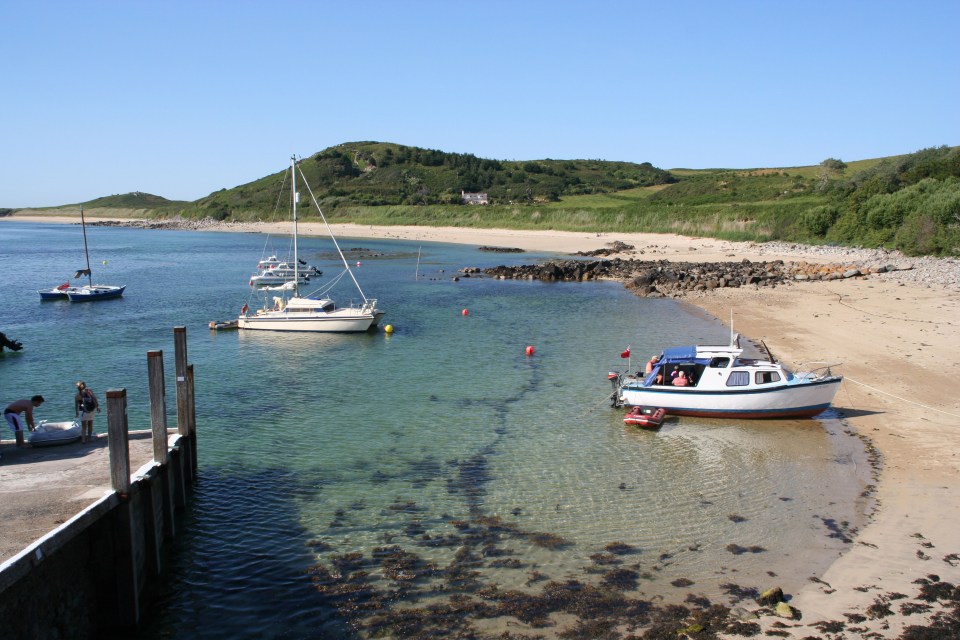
(87, 292)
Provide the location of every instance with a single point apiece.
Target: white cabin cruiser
(280, 274)
(272, 262)
(721, 383)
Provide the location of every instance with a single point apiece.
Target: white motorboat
(280, 274)
(315, 312)
(48, 434)
(721, 383)
(272, 262)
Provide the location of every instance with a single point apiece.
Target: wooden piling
(183, 395)
(158, 424)
(193, 420)
(127, 581)
(180, 362)
(158, 405)
(118, 440)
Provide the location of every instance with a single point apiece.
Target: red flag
(625, 354)
(243, 311)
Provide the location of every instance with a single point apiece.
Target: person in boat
(12, 415)
(651, 363)
(681, 380)
(674, 373)
(659, 379)
(84, 405)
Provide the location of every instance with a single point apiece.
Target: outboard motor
(615, 380)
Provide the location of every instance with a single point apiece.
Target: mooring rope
(919, 404)
(883, 315)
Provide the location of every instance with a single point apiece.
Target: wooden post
(118, 440)
(127, 581)
(180, 357)
(161, 452)
(178, 476)
(183, 397)
(193, 421)
(158, 405)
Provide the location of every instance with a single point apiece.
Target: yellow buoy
(388, 328)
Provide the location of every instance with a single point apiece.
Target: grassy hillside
(909, 202)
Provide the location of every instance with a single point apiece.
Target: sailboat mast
(293, 192)
(83, 224)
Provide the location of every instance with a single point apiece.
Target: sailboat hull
(95, 292)
(339, 321)
(56, 293)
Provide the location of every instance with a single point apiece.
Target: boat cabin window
(719, 363)
(739, 379)
(766, 377)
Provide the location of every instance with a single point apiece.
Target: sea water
(443, 446)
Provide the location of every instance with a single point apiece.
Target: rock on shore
(660, 278)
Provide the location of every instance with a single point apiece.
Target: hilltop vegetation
(909, 202)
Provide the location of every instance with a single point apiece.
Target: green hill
(376, 174)
(909, 202)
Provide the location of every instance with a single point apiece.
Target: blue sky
(181, 99)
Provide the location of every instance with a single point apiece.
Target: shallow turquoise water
(316, 446)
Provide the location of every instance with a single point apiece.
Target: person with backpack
(85, 403)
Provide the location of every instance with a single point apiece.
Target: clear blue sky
(181, 99)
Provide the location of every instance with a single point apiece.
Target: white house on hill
(474, 198)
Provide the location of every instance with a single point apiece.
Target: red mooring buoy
(530, 350)
(465, 312)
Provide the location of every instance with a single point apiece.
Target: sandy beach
(896, 335)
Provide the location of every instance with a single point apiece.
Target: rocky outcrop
(501, 249)
(661, 278)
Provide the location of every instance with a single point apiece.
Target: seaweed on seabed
(402, 566)
(496, 524)
(739, 593)
(602, 559)
(531, 609)
(584, 600)
(442, 620)
(621, 579)
(594, 629)
(548, 540)
(674, 620)
(353, 596)
(460, 574)
(620, 548)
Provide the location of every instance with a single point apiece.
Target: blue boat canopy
(680, 353)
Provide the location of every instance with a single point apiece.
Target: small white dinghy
(48, 434)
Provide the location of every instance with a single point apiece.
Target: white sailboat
(309, 312)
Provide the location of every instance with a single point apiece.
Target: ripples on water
(346, 478)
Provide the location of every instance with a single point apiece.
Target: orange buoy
(530, 350)
(465, 312)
